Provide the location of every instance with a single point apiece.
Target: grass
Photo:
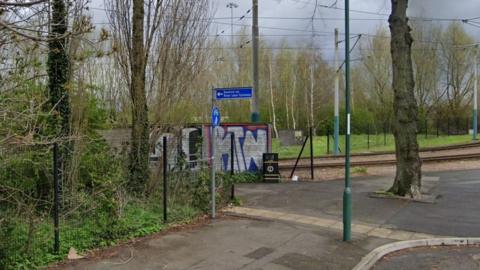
(359, 144)
(87, 232)
(106, 225)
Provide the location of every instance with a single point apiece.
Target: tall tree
(405, 119)
(139, 147)
(58, 74)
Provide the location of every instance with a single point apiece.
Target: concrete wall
(194, 144)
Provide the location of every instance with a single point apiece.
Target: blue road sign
(215, 117)
(233, 93)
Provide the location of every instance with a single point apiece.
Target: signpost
(215, 124)
(219, 94)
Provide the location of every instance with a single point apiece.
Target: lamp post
(231, 6)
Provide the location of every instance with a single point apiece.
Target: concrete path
(337, 225)
(240, 244)
(455, 213)
(298, 228)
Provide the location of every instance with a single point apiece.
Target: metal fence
(90, 206)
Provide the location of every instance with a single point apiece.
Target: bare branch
(21, 4)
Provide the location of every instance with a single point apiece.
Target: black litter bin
(271, 174)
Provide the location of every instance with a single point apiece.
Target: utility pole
(475, 89)
(336, 124)
(231, 6)
(255, 113)
(312, 69)
(347, 193)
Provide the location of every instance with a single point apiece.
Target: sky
(290, 20)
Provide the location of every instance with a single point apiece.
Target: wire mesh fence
(95, 207)
(374, 136)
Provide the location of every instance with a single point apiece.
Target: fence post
(448, 126)
(56, 200)
(311, 153)
(384, 134)
(165, 186)
(368, 136)
(328, 140)
(426, 128)
(438, 127)
(468, 125)
(232, 163)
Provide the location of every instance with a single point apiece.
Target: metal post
(475, 98)
(438, 128)
(232, 163)
(336, 125)
(56, 199)
(328, 140)
(347, 193)
(448, 126)
(426, 128)
(384, 134)
(212, 160)
(298, 158)
(311, 154)
(232, 153)
(255, 113)
(165, 183)
(368, 136)
(468, 124)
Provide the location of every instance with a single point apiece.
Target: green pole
(347, 193)
(475, 86)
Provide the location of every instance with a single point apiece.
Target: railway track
(432, 154)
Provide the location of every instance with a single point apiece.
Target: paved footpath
(296, 226)
(455, 212)
(241, 244)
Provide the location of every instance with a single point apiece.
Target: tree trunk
(139, 148)
(58, 73)
(408, 174)
(272, 103)
(292, 101)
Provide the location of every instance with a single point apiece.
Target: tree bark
(58, 91)
(58, 69)
(272, 103)
(408, 173)
(139, 148)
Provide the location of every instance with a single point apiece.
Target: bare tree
(408, 175)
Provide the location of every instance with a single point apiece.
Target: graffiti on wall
(193, 145)
(250, 142)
